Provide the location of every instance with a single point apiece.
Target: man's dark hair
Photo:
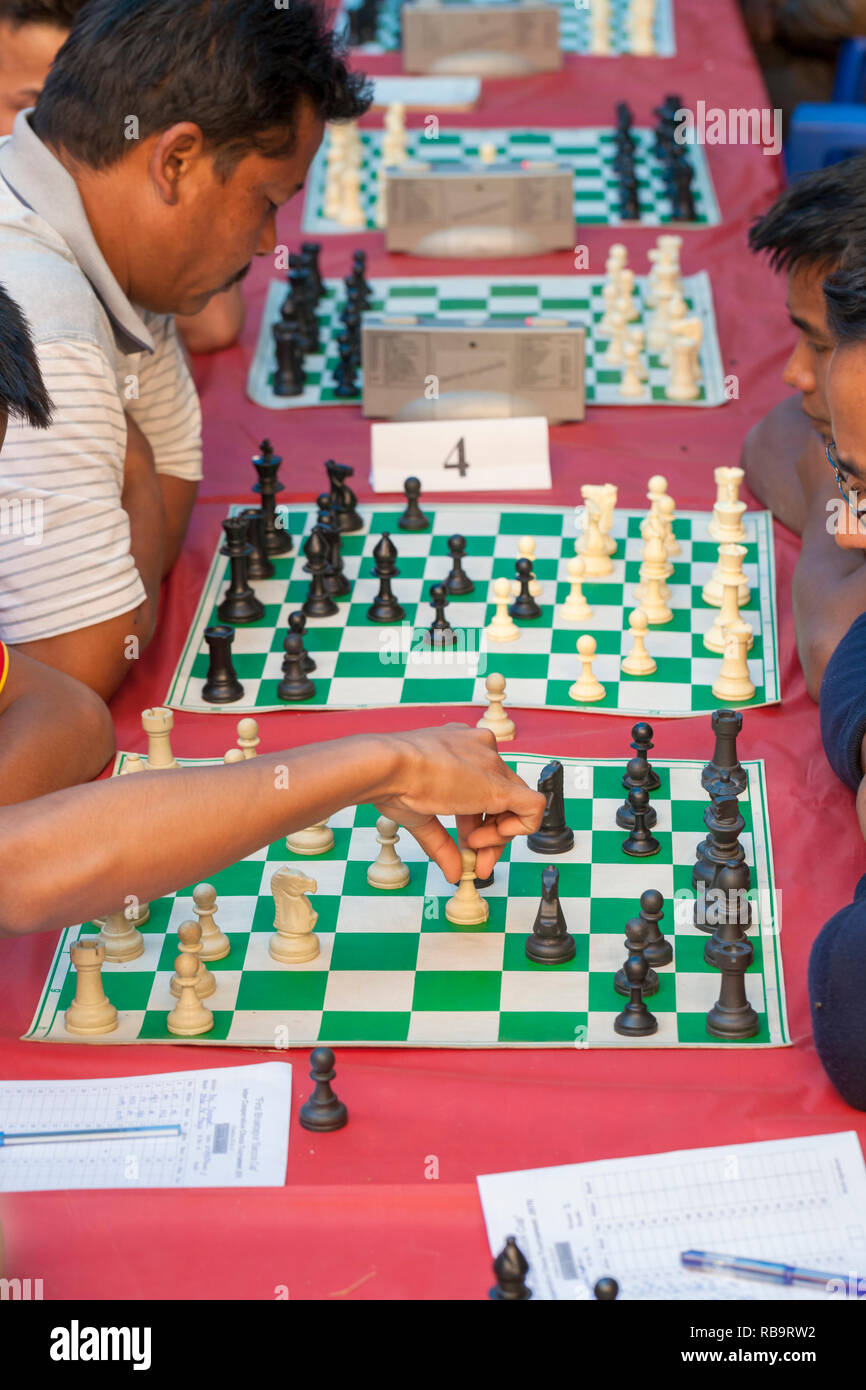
(845, 295)
(22, 390)
(812, 222)
(238, 68)
(59, 13)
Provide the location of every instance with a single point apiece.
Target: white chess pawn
(526, 551)
(576, 609)
(606, 498)
(610, 296)
(487, 152)
(380, 208)
(734, 681)
(233, 755)
(494, 717)
(467, 908)
(351, 212)
(120, 937)
(630, 306)
(587, 688)
(631, 384)
(157, 723)
(613, 356)
(729, 613)
(682, 385)
(132, 762)
(667, 509)
(315, 839)
(190, 1016)
(387, 870)
(248, 737)
(502, 627)
(730, 565)
(90, 1012)
(294, 918)
(215, 945)
(189, 941)
(638, 662)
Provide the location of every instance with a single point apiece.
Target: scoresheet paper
(797, 1201)
(234, 1130)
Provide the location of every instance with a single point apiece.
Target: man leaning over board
(142, 184)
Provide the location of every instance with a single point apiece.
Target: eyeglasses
(857, 511)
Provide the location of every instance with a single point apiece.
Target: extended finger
(438, 845)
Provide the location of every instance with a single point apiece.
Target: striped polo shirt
(65, 561)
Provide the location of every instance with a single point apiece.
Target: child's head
(22, 390)
(31, 31)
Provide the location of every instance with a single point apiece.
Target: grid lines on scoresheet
(575, 28)
(364, 665)
(590, 150)
(577, 298)
(392, 971)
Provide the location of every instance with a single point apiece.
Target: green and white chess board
(589, 149)
(392, 971)
(574, 27)
(577, 298)
(363, 665)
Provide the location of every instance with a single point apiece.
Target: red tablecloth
(358, 1218)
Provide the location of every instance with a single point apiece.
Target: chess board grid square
(385, 978)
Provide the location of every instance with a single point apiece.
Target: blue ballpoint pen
(708, 1262)
(67, 1136)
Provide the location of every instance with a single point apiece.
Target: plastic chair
(822, 133)
(850, 82)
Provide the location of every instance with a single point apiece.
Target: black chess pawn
(636, 774)
(729, 911)
(278, 541)
(221, 686)
(635, 1021)
(258, 564)
(642, 742)
(310, 260)
(318, 603)
(345, 375)
(298, 625)
(289, 377)
(550, 942)
(658, 949)
(640, 843)
(511, 1268)
(553, 836)
(486, 882)
(323, 1111)
(239, 603)
(635, 940)
(440, 630)
(457, 580)
(606, 1290)
(295, 683)
(343, 498)
(385, 608)
(727, 724)
(524, 606)
(413, 519)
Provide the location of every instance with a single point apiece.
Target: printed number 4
(461, 462)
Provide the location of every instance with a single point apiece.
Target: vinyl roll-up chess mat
(495, 298)
(589, 150)
(575, 28)
(393, 972)
(365, 665)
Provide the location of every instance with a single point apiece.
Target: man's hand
(457, 771)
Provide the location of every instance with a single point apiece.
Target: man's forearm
(109, 830)
(178, 499)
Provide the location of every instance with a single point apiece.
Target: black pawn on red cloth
(323, 1111)
(239, 603)
(221, 686)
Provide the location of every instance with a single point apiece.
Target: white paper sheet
(234, 1130)
(798, 1201)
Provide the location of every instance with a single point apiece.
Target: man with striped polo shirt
(142, 183)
